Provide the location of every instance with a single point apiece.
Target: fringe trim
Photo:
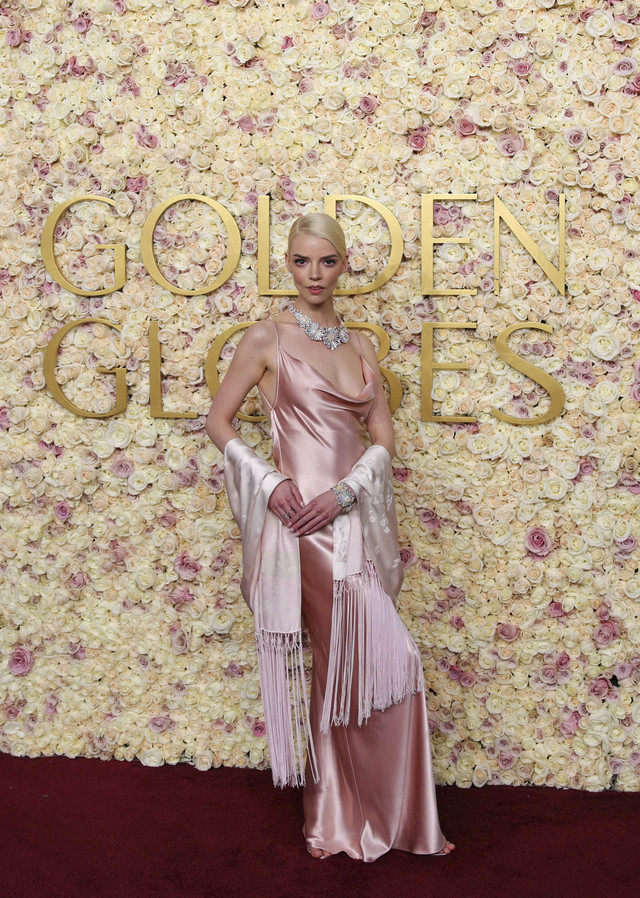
(367, 634)
(286, 708)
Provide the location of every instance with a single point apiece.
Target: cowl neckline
(334, 388)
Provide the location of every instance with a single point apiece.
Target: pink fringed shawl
(367, 635)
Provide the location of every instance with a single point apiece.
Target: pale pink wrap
(367, 574)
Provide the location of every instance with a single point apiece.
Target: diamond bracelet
(345, 496)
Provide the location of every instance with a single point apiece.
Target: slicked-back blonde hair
(318, 224)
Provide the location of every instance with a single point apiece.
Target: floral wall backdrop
(122, 630)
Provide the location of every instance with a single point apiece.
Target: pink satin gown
(376, 786)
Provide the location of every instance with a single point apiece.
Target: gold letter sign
(49, 256)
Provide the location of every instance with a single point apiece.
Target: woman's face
(316, 266)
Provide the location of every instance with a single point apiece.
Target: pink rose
(368, 104)
(187, 567)
(63, 511)
(407, 556)
(522, 68)
(586, 465)
(180, 642)
(258, 728)
(78, 580)
(429, 518)
(505, 760)
(187, 476)
(181, 597)
(465, 127)
(442, 217)
(447, 727)
(599, 687)
(455, 593)
(570, 724)
(146, 139)
(417, 141)
(625, 66)
(245, 123)
(627, 546)
(233, 670)
(508, 632)
(161, 724)
(118, 553)
(605, 633)
(82, 24)
(575, 136)
(538, 542)
(320, 10)
(510, 144)
(623, 670)
(20, 661)
(548, 674)
(136, 185)
(122, 467)
(76, 651)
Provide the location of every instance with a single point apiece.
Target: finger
(312, 528)
(298, 523)
(310, 523)
(291, 500)
(296, 493)
(304, 510)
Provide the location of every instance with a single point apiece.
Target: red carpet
(85, 828)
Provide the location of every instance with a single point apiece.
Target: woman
(321, 535)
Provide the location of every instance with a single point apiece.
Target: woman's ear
(287, 261)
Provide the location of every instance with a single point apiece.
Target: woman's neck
(323, 314)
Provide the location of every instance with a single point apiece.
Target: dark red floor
(106, 829)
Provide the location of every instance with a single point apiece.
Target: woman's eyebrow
(323, 258)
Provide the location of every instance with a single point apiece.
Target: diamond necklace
(332, 337)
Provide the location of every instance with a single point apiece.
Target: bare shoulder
(368, 349)
(260, 336)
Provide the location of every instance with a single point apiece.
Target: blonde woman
(320, 550)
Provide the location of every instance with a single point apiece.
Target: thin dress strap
(275, 398)
(357, 333)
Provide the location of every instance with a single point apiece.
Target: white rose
(555, 488)
(118, 434)
(599, 23)
(152, 757)
(604, 345)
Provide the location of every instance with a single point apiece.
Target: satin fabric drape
(376, 787)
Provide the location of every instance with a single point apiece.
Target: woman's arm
(253, 357)
(379, 423)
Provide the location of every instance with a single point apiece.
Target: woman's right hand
(285, 501)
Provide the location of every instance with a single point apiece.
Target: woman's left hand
(316, 514)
